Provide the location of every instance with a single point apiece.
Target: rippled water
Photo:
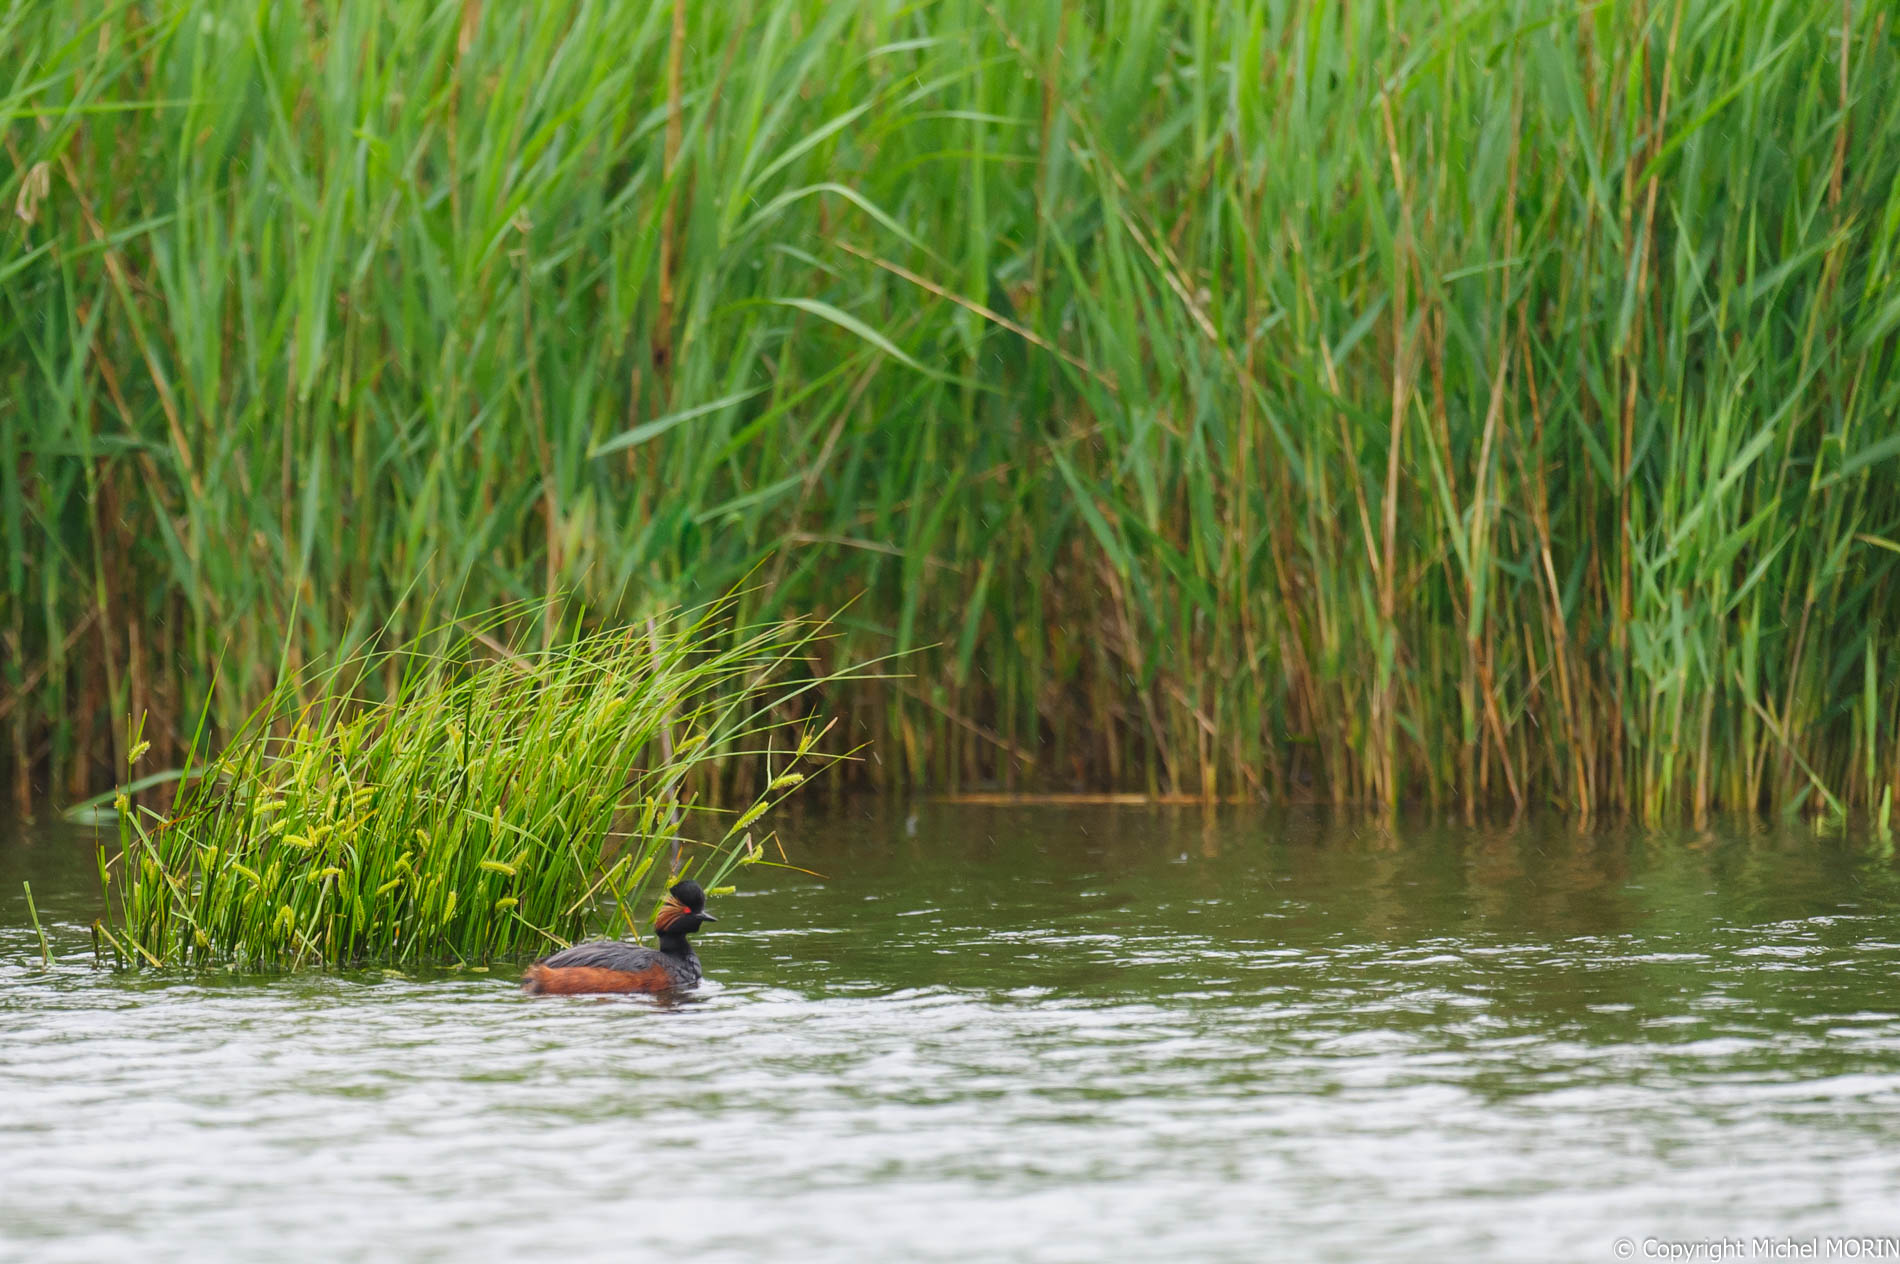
(1019, 1034)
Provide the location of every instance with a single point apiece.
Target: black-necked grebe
(611, 966)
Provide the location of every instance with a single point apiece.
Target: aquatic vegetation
(495, 803)
(1487, 403)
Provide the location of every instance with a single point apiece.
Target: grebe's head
(684, 910)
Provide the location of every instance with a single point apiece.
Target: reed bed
(488, 807)
(1487, 403)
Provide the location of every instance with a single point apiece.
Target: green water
(1020, 1034)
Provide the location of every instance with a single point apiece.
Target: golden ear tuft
(671, 910)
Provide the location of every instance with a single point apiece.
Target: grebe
(607, 965)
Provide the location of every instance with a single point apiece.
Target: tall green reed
(494, 804)
(1368, 402)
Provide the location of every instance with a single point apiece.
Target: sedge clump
(493, 804)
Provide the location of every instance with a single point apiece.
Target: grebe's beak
(707, 917)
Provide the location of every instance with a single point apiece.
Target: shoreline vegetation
(1364, 403)
(492, 805)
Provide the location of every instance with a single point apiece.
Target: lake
(1021, 1033)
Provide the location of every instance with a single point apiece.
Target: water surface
(1018, 1034)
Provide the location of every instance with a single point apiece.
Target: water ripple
(1055, 1067)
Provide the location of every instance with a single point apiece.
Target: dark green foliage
(1359, 401)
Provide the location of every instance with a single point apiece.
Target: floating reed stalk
(46, 949)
